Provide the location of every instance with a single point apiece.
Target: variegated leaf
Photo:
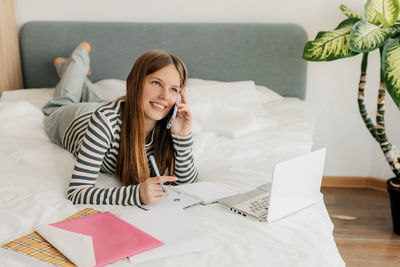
(391, 68)
(347, 23)
(388, 8)
(382, 19)
(349, 13)
(365, 36)
(396, 27)
(331, 45)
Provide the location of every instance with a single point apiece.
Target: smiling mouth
(158, 106)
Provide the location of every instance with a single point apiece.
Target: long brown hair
(132, 164)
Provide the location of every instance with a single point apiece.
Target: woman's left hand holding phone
(183, 122)
(150, 190)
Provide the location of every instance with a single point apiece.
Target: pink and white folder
(97, 239)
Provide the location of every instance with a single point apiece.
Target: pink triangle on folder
(113, 238)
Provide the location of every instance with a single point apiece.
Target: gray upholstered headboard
(269, 54)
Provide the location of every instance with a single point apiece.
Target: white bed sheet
(35, 174)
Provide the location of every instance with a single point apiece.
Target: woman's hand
(183, 122)
(151, 191)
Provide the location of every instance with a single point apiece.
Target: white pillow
(233, 93)
(228, 108)
(230, 121)
(111, 89)
(242, 92)
(265, 94)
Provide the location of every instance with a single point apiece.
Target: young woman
(118, 137)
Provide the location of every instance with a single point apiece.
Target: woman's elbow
(71, 196)
(196, 177)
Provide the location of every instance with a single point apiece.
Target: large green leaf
(331, 45)
(389, 10)
(396, 28)
(391, 68)
(383, 20)
(349, 13)
(365, 36)
(347, 23)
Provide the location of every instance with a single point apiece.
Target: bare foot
(59, 60)
(86, 46)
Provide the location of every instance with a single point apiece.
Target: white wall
(332, 87)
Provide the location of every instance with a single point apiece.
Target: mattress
(35, 174)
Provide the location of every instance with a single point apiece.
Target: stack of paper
(188, 237)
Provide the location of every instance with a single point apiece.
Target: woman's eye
(156, 83)
(174, 90)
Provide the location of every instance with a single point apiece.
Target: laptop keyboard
(257, 206)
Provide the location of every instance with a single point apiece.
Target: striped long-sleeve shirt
(94, 139)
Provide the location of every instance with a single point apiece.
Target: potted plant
(377, 28)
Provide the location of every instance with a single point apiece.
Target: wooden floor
(363, 226)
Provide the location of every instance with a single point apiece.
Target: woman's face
(160, 90)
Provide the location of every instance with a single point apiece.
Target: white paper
(174, 228)
(173, 199)
(186, 195)
(207, 192)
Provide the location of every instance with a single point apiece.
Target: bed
(247, 90)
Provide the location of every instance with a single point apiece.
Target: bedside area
(10, 66)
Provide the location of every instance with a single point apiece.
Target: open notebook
(183, 196)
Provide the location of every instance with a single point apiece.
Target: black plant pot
(394, 194)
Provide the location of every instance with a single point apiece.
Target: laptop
(295, 185)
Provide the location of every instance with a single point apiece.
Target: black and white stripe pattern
(185, 169)
(94, 139)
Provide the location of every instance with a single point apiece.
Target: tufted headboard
(269, 54)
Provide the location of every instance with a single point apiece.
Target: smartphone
(175, 111)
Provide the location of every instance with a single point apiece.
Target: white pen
(153, 163)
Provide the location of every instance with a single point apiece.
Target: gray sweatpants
(74, 95)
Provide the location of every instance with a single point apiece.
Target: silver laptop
(295, 185)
